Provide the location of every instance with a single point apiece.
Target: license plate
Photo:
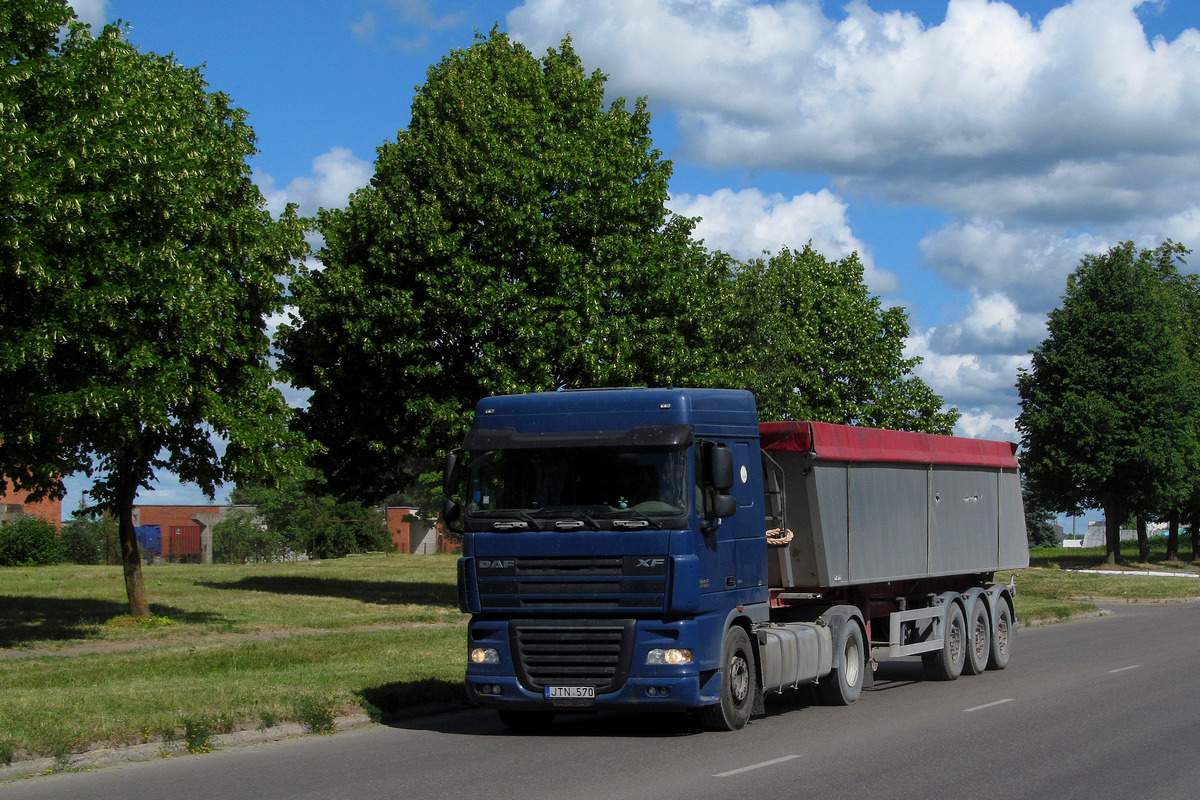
(571, 692)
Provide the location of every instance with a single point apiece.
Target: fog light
(672, 656)
(484, 655)
(488, 688)
(658, 691)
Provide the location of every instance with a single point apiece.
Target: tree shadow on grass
(380, 592)
(25, 619)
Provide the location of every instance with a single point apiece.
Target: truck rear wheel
(947, 664)
(979, 638)
(843, 686)
(1002, 631)
(738, 687)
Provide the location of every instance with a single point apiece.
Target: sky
(970, 151)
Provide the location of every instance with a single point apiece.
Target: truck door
(733, 555)
(749, 530)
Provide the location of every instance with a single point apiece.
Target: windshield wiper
(514, 514)
(617, 516)
(568, 515)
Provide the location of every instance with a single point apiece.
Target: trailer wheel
(979, 638)
(526, 721)
(947, 664)
(1002, 632)
(843, 686)
(737, 684)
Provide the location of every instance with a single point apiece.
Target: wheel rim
(739, 679)
(1002, 632)
(852, 663)
(954, 639)
(982, 636)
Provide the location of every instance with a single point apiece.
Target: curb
(109, 756)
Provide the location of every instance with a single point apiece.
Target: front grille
(625, 583)
(583, 653)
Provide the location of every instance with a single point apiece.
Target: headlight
(673, 656)
(484, 655)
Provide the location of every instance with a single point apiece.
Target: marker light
(484, 655)
(673, 657)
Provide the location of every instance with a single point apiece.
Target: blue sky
(970, 151)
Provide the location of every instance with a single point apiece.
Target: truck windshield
(585, 484)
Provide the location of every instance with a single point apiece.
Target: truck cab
(610, 537)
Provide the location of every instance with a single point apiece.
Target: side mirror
(451, 473)
(451, 511)
(722, 469)
(724, 505)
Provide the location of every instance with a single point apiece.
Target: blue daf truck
(664, 550)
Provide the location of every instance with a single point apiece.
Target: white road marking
(1124, 669)
(988, 705)
(759, 765)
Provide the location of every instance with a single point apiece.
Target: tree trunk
(1112, 533)
(131, 560)
(1194, 530)
(1173, 535)
(1143, 541)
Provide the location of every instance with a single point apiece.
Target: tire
(1002, 636)
(947, 664)
(526, 721)
(844, 684)
(739, 684)
(979, 638)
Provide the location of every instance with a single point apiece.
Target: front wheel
(843, 686)
(738, 684)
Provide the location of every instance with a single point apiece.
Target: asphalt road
(1095, 709)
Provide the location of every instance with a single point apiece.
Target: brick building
(410, 533)
(15, 503)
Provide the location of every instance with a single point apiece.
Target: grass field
(239, 647)
(230, 647)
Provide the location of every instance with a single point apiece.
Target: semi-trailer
(661, 549)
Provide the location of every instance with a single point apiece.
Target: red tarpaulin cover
(850, 443)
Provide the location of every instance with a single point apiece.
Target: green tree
(308, 522)
(29, 541)
(137, 267)
(1039, 521)
(804, 334)
(1108, 403)
(514, 238)
(241, 538)
(1184, 300)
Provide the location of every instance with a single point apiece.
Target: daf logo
(498, 563)
(651, 562)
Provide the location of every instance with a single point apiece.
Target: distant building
(16, 503)
(185, 532)
(412, 534)
(1095, 533)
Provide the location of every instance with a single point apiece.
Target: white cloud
(747, 223)
(93, 12)
(1030, 265)
(338, 174)
(984, 111)
(978, 384)
(364, 27)
(992, 324)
